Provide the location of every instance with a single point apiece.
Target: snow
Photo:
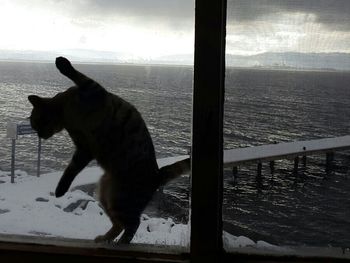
(170, 160)
(29, 207)
(231, 242)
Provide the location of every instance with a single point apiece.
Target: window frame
(207, 131)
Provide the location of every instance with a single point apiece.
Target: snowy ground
(29, 207)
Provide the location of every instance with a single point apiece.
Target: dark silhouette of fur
(107, 128)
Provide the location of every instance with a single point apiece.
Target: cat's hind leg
(105, 194)
(130, 230)
(111, 234)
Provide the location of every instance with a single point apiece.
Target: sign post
(39, 154)
(13, 160)
(13, 131)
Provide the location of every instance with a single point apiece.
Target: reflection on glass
(142, 53)
(287, 78)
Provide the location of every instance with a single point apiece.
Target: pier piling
(329, 162)
(272, 167)
(296, 165)
(234, 174)
(259, 169)
(234, 171)
(304, 161)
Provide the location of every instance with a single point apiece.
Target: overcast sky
(152, 28)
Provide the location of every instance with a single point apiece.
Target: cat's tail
(66, 68)
(171, 171)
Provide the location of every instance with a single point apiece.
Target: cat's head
(44, 118)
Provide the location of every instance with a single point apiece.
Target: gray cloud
(334, 14)
(331, 13)
(180, 9)
(177, 14)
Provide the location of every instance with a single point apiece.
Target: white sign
(15, 129)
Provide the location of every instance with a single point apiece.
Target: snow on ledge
(28, 207)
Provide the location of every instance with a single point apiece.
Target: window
(142, 52)
(286, 81)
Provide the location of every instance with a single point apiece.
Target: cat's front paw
(60, 192)
(64, 65)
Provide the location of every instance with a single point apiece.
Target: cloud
(254, 26)
(177, 14)
(179, 9)
(333, 14)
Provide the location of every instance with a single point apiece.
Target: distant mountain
(292, 60)
(286, 60)
(80, 55)
(180, 59)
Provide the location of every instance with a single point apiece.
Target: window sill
(13, 247)
(295, 254)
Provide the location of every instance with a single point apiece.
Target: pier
(289, 150)
(272, 152)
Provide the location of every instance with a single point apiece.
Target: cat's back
(127, 120)
(125, 134)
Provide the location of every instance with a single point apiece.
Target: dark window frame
(207, 131)
(207, 173)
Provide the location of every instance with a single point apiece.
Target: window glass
(287, 80)
(140, 51)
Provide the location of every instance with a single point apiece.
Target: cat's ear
(36, 101)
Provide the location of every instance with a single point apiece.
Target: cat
(110, 130)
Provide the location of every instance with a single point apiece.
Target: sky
(155, 28)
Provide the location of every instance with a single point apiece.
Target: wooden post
(304, 161)
(234, 174)
(234, 171)
(296, 164)
(272, 167)
(39, 157)
(13, 156)
(304, 158)
(207, 131)
(259, 170)
(259, 184)
(329, 162)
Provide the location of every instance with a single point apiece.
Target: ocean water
(261, 106)
(309, 208)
